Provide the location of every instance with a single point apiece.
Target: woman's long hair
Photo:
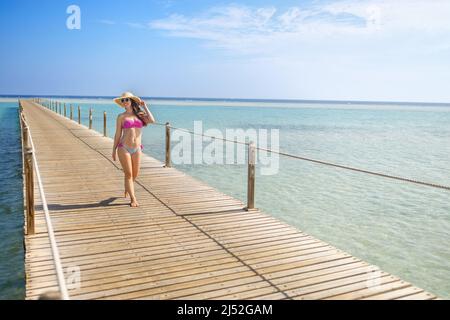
(137, 111)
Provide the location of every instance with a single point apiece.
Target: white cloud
(399, 15)
(346, 49)
(109, 22)
(245, 29)
(136, 25)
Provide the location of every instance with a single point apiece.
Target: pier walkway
(187, 240)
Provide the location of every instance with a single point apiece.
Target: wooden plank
(417, 296)
(351, 291)
(398, 293)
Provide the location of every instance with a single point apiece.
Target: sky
(372, 50)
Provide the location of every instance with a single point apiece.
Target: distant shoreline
(237, 100)
(284, 104)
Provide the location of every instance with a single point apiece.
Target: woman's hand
(149, 114)
(114, 154)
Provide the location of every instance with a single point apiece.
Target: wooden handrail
(251, 176)
(168, 160)
(104, 123)
(29, 187)
(90, 118)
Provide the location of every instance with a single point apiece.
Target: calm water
(11, 205)
(402, 228)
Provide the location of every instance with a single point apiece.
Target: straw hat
(127, 95)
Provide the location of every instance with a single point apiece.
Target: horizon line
(235, 99)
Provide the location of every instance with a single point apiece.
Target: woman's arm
(150, 115)
(117, 135)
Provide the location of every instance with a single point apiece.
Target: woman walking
(127, 140)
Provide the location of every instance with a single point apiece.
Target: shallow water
(401, 227)
(11, 205)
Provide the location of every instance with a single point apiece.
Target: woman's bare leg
(136, 164)
(136, 161)
(127, 166)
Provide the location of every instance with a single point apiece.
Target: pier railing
(31, 167)
(56, 106)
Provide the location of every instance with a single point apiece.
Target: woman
(128, 145)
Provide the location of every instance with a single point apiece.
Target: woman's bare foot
(126, 194)
(134, 203)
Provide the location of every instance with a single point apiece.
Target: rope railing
(324, 162)
(358, 170)
(200, 134)
(53, 105)
(30, 153)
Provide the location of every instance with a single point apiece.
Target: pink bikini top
(136, 123)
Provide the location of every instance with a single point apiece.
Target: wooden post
(71, 112)
(65, 110)
(79, 115)
(104, 123)
(168, 162)
(90, 118)
(29, 186)
(25, 136)
(50, 295)
(251, 176)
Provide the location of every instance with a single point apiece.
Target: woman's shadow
(104, 203)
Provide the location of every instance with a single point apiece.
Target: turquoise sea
(11, 205)
(401, 227)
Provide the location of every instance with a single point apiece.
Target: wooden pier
(187, 240)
